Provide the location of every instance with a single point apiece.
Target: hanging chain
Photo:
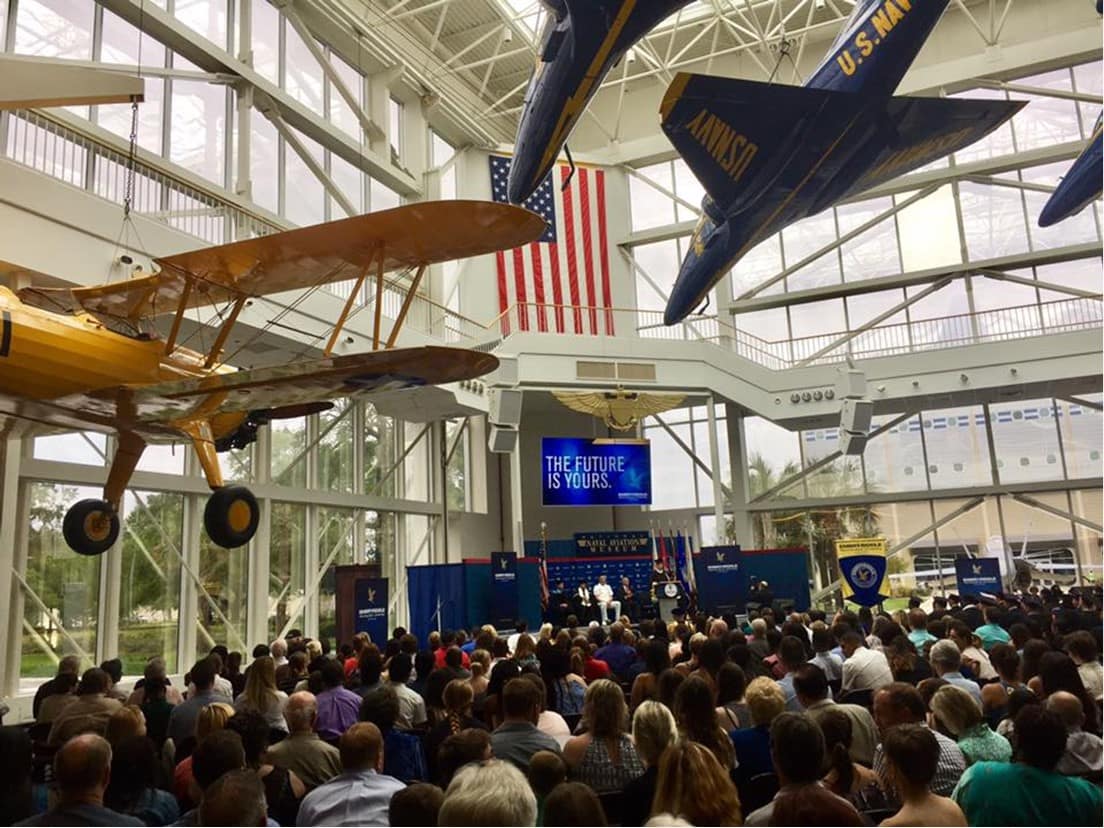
(128, 185)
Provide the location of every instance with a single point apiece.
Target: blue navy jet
(770, 155)
(581, 42)
(1079, 187)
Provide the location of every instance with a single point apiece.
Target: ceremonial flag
(691, 578)
(862, 563)
(561, 282)
(662, 549)
(544, 593)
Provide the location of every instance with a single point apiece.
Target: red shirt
(439, 658)
(594, 669)
(351, 665)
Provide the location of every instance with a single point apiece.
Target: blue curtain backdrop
(477, 591)
(425, 584)
(786, 570)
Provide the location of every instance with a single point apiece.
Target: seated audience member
(546, 771)
(732, 711)
(972, 655)
(604, 756)
(824, 658)
(898, 704)
(182, 720)
(946, 661)
(911, 759)
(863, 668)
(1083, 750)
(490, 793)
(907, 665)
(283, 789)
(955, 714)
(212, 719)
(303, 753)
(236, 798)
(369, 673)
(695, 712)
(549, 722)
(752, 745)
(1085, 652)
(338, 707)
(20, 798)
(124, 723)
(656, 661)
(261, 695)
(461, 749)
(617, 654)
(82, 772)
(289, 675)
(518, 738)
(423, 667)
(63, 694)
(412, 707)
(155, 705)
(90, 711)
(994, 696)
(811, 687)
(573, 804)
(1029, 791)
(68, 665)
(217, 755)
(791, 656)
(404, 757)
(361, 794)
(692, 785)
(653, 731)
(415, 805)
(458, 699)
(797, 751)
(991, 632)
(133, 789)
(845, 777)
(667, 687)
(918, 623)
(1057, 672)
(219, 685)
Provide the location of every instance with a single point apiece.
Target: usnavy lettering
(884, 19)
(732, 151)
(575, 472)
(932, 148)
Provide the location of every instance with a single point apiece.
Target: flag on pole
(691, 578)
(662, 549)
(545, 596)
(561, 282)
(655, 548)
(680, 561)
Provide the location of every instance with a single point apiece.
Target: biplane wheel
(231, 516)
(90, 527)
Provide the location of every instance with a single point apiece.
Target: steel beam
(1028, 500)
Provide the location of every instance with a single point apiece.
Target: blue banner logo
(978, 575)
(581, 472)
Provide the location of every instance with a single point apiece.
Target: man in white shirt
(603, 594)
(362, 794)
(412, 709)
(863, 668)
(278, 649)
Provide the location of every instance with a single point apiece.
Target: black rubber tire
(223, 520)
(83, 530)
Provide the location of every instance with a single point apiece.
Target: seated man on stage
(603, 594)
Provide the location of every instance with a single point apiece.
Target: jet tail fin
(737, 135)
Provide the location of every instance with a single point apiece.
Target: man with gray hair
(278, 649)
(302, 752)
(82, 770)
(70, 665)
(489, 793)
(1083, 750)
(946, 661)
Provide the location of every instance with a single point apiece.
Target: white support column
(311, 559)
(111, 576)
(379, 103)
(256, 622)
(189, 592)
(719, 500)
(13, 556)
(737, 454)
(516, 510)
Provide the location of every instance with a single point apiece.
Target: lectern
(668, 595)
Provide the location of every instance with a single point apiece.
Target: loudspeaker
(850, 383)
(502, 440)
(852, 442)
(505, 407)
(855, 415)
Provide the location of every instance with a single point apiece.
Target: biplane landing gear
(90, 527)
(231, 516)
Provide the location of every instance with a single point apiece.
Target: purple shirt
(337, 712)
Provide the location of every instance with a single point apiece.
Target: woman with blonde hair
(653, 731)
(480, 671)
(211, 719)
(458, 698)
(261, 694)
(603, 757)
(957, 715)
(124, 723)
(692, 785)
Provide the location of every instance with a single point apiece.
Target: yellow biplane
(79, 358)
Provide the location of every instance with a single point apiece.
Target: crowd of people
(969, 713)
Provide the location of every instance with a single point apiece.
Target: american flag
(561, 282)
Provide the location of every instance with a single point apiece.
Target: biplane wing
(296, 383)
(412, 236)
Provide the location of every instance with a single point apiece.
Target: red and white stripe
(563, 286)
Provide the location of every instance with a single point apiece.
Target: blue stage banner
(371, 597)
(621, 544)
(581, 472)
(978, 575)
(504, 588)
(721, 579)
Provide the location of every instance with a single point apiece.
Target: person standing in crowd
(603, 596)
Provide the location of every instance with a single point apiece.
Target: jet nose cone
(1049, 215)
(518, 187)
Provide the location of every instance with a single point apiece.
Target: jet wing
(1080, 186)
(293, 384)
(410, 236)
(918, 131)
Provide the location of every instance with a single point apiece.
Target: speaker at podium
(668, 596)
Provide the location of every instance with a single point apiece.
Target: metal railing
(50, 147)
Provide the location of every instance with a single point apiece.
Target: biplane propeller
(75, 358)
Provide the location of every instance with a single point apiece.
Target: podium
(668, 596)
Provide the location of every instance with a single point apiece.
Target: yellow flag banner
(862, 563)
